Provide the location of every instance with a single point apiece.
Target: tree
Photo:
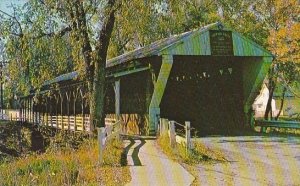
(158, 19)
(86, 25)
(283, 41)
(273, 24)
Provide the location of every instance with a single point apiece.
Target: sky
(4, 6)
(5, 3)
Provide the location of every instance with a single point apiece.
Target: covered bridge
(209, 76)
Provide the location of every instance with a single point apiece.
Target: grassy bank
(199, 153)
(67, 160)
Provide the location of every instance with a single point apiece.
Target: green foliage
(139, 23)
(34, 56)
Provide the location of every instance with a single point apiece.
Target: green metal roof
(195, 42)
(63, 77)
(154, 48)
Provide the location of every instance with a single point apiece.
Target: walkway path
(254, 160)
(149, 166)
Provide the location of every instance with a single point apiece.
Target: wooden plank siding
(197, 44)
(253, 77)
(246, 47)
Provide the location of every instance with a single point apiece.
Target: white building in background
(260, 103)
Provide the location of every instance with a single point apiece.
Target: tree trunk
(271, 86)
(281, 103)
(269, 103)
(97, 98)
(97, 84)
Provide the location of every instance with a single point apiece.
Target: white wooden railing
(169, 127)
(73, 123)
(112, 130)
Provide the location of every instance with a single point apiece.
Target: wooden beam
(117, 98)
(127, 72)
(256, 86)
(159, 89)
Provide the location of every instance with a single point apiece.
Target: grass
(199, 153)
(189, 159)
(68, 167)
(68, 160)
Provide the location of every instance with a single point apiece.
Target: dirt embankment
(17, 140)
(20, 139)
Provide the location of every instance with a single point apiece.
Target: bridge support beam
(260, 71)
(117, 99)
(159, 89)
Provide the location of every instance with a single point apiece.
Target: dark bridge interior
(207, 91)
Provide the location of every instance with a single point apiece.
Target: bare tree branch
(60, 33)
(16, 20)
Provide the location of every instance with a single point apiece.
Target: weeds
(199, 153)
(68, 167)
(40, 156)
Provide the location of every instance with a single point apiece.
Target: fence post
(62, 123)
(165, 125)
(188, 134)
(263, 129)
(101, 141)
(75, 125)
(118, 129)
(172, 133)
(83, 127)
(160, 126)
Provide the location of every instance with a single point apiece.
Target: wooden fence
(176, 136)
(112, 130)
(73, 123)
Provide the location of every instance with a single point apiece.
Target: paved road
(149, 166)
(253, 160)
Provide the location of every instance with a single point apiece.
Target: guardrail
(264, 124)
(112, 130)
(73, 123)
(169, 127)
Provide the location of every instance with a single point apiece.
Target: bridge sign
(221, 43)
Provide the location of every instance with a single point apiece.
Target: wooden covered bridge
(209, 76)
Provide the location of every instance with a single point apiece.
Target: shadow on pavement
(125, 152)
(135, 153)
